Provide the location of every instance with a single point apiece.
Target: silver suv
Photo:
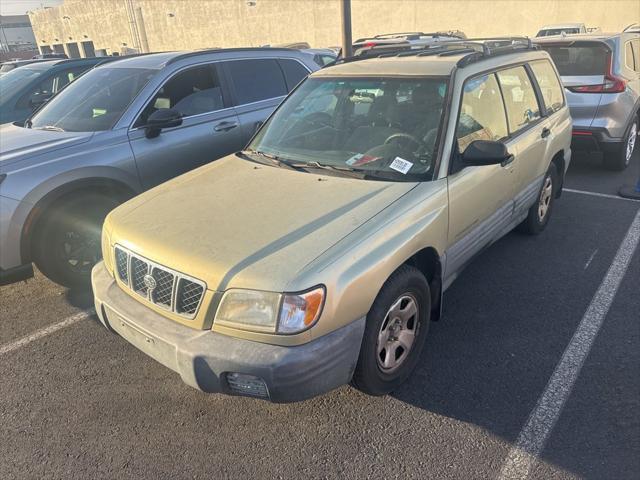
(601, 74)
(118, 130)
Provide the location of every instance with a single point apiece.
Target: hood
(237, 224)
(18, 143)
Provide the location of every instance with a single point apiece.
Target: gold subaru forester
(318, 256)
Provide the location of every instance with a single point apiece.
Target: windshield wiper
(52, 128)
(272, 159)
(350, 172)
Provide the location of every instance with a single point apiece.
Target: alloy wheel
(545, 198)
(397, 333)
(631, 142)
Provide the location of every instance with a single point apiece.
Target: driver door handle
(545, 132)
(225, 126)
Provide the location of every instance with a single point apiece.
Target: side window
(635, 45)
(191, 92)
(629, 57)
(482, 114)
(256, 80)
(294, 72)
(549, 85)
(519, 98)
(67, 76)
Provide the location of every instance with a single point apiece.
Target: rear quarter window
(256, 79)
(549, 85)
(579, 60)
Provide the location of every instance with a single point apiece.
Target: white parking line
(596, 194)
(534, 435)
(10, 347)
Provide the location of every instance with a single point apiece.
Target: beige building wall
(193, 24)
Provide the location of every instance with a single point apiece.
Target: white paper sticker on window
(401, 165)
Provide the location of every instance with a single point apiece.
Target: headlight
(270, 312)
(106, 250)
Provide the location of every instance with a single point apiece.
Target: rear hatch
(583, 67)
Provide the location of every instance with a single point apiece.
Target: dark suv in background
(601, 75)
(24, 89)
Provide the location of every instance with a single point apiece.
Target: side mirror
(163, 118)
(38, 99)
(486, 152)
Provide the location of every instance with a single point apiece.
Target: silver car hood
(19, 143)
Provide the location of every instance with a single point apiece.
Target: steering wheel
(405, 136)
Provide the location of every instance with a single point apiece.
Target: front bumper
(204, 358)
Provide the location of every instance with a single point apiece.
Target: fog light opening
(247, 385)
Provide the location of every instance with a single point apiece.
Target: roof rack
(413, 35)
(225, 50)
(476, 49)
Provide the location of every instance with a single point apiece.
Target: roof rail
(225, 50)
(633, 27)
(477, 48)
(413, 35)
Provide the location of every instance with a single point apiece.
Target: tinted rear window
(256, 80)
(294, 72)
(579, 59)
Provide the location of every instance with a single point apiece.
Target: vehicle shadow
(503, 332)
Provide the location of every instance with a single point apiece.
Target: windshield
(382, 128)
(93, 102)
(15, 79)
(7, 67)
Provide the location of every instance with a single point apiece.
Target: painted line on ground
(10, 347)
(533, 437)
(596, 194)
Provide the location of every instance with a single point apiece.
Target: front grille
(158, 284)
(189, 294)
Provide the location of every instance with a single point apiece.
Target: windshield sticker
(401, 165)
(361, 159)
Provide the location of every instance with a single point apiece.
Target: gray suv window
(294, 72)
(191, 92)
(93, 102)
(519, 98)
(549, 85)
(256, 79)
(579, 59)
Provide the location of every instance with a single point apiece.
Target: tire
(379, 372)
(540, 212)
(620, 158)
(66, 243)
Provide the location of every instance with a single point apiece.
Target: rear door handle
(225, 126)
(545, 132)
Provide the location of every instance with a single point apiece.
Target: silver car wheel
(397, 333)
(631, 142)
(545, 198)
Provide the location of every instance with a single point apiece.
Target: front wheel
(540, 212)
(66, 244)
(395, 332)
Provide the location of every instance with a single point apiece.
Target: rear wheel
(66, 243)
(620, 158)
(396, 329)
(540, 212)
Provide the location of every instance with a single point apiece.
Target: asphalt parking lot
(79, 402)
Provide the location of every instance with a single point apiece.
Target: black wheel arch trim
(80, 186)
